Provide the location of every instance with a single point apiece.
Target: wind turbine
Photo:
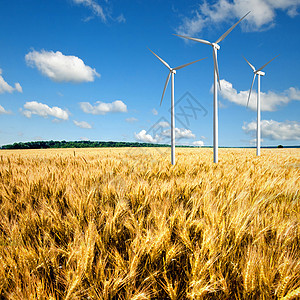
(171, 74)
(258, 73)
(215, 47)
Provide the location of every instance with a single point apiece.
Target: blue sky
(80, 69)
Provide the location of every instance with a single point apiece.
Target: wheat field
(123, 223)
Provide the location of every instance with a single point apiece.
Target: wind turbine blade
(251, 66)
(216, 69)
(194, 39)
(266, 63)
(251, 89)
(180, 67)
(222, 37)
(161, 60)
(166, 84)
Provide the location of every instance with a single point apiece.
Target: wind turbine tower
(215, 47)
(172, 72)
(258, 73)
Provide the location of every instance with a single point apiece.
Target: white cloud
(103, 108)
(262, 16)
(292, 12)
(147, 138)
(18, 88)
(94, 6)
(3, 111)
(191, 26)
(184, 134)
(59, 67)
(131, 120)
(163, 124)
(294, 93)
(269, 101)
(6, 88)
(154, 112)
(43, 110)
(164, 135)
(180, 133)
(273, 130)
(103, 11)
(82, 124)
(26, 113)
(53, 121)
(198, 143)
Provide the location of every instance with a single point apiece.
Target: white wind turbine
(258, 73)
(215, 47)
(171, 73)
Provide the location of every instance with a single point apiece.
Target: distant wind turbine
(258, 73)
(171, 74)
(215, 47)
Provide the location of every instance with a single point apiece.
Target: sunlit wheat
(122, 224)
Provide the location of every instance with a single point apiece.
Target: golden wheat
(125, 224)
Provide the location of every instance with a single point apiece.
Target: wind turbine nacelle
(173, 71)
(261, 73)
(216, 46)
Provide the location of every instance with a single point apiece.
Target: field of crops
(124, 224)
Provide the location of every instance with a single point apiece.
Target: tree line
(99, 144)
(77, 144)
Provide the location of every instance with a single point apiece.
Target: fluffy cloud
(94, 6)
(180, 133)
(82, 124)
(164, 135)
(273, 130)
(6, 88)
(262, 17)
(198, 143)
(43, 110)
(103, 108)
(18, 87)
(269, 101)
(163, 124)
(147, 138)
(191, 26)
(294, 93)
(3, 111)
(59, 67)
